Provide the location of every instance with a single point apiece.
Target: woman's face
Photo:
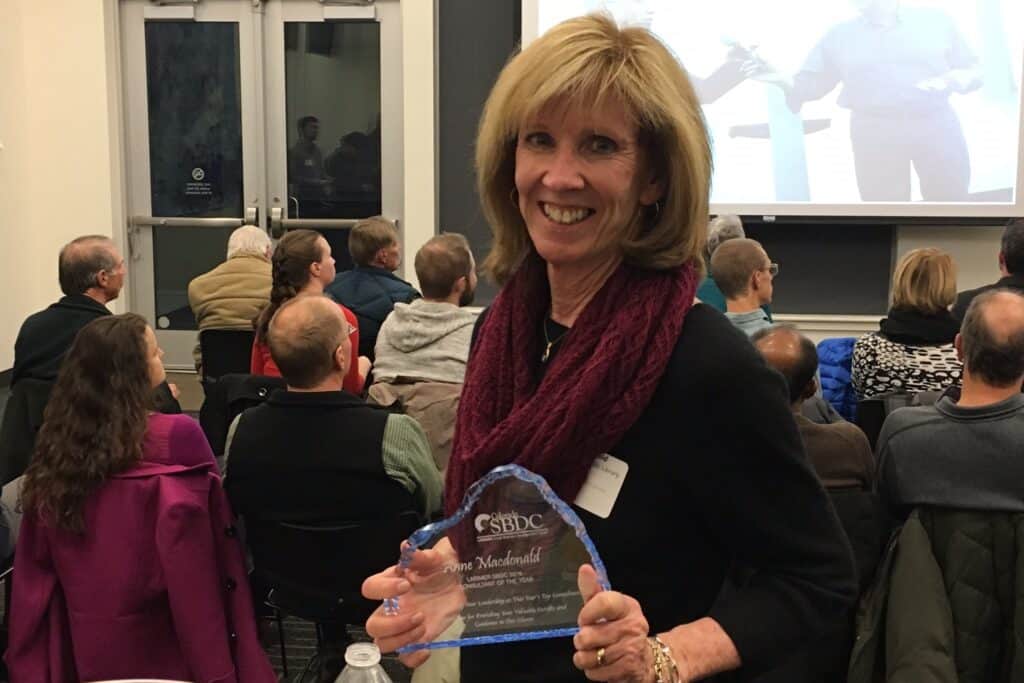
(154, 358)
(324, 269)
(581, 177)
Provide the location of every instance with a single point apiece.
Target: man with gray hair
(91, 272)
(964, 451)
(231, 295)
(721, 229)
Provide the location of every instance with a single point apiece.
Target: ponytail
(295, 253)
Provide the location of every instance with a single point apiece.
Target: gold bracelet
(666, 651)
(665, 669)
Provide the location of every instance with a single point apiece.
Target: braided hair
(295, 253)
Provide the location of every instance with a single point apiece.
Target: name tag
(601, 489)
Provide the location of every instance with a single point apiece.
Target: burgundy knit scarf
(602, 378)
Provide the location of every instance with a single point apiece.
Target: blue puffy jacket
(834, 358)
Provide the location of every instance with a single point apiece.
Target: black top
(718, 484)
(311, 457)
(46, 336)
(964, 299)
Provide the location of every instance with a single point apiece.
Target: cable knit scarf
(604, 375)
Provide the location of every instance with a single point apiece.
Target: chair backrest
(225, 351)
(316, 571)
(23, 416)
(871, 412)
(227, 398)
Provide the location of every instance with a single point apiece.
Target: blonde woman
(594, 171)
(913, 348)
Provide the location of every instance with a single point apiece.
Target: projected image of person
(739, 61)
(898, 67)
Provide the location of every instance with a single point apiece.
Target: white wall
(975, 250)
(59, 173)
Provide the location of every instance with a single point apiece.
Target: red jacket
(155, 587)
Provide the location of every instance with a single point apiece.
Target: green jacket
(944, 603)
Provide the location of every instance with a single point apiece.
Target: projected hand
(937, 84)
(430, 599)
(758, 69)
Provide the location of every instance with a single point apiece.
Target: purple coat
(155, 587)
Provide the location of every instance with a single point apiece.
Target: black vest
(311, 457)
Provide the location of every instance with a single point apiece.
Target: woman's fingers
(392, 632)
(386, 584)
(588, 583)
(414, 659)
(606, 606)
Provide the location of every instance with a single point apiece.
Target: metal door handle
(280, 225)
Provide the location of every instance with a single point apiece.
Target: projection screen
(881, 108)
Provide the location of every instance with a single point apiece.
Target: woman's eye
(538, 140)
(599, 144)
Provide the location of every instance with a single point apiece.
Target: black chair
(314, 571)
(225, 352)
(871, 412)
(22, 419)
(227, 398)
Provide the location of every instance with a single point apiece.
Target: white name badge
(601, 489)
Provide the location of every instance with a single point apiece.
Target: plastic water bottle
(362, 665)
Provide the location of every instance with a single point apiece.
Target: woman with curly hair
(127, 562)
(302, 264)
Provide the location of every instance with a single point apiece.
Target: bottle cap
(362, 655)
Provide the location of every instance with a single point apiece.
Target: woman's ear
(652, 191)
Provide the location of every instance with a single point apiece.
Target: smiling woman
(594, 172)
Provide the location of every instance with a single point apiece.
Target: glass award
(505, 565)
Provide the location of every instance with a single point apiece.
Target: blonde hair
(584, 63)
(924, 280)
(369, 236)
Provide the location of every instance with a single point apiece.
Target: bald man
(315, 453)
(745, 275)
(965, 452)
(839, 452)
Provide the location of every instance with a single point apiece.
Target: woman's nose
(563, 171)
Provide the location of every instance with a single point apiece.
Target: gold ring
(600, 657)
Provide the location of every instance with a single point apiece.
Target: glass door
(280, 113)
(334, 116)
(195, 158)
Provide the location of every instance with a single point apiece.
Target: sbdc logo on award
(517, 551)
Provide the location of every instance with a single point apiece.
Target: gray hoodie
(424, 341)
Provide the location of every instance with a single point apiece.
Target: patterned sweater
(882, 366)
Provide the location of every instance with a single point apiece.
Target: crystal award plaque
(506, 564)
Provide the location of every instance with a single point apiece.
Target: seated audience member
(913, 348)
(315, 453)
(839, 452)
(371, 289)
(231, 295)
(122, 559)
(965, 452)
(91, 272)
(721, 229)
(745, 275)
(302, 265)
(423, 346)
(1011, 265)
